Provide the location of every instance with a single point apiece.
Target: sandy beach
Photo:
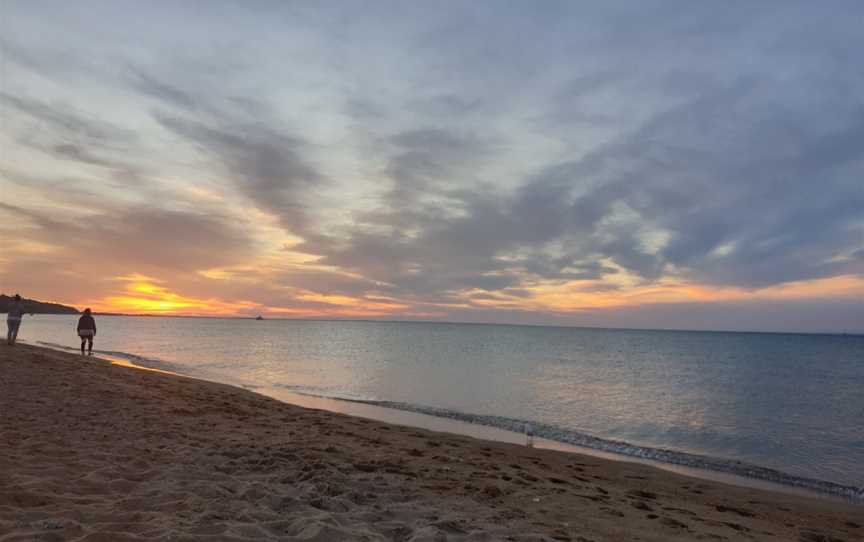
(96, 452)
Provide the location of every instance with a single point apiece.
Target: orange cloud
(578, 296)
(147, 295)
(144, 296)
(382, 306)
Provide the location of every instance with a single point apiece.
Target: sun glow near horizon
(581, 179)
(142, 295)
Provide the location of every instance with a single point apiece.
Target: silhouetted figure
(13, 319)
(87, 330)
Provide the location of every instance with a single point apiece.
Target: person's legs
(83, 340)
(90, 344)
(8, 331)
(13, 330)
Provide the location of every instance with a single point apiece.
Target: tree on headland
(36, 307)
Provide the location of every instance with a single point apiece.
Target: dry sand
(96, 452)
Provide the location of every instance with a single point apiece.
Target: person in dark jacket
(87, 330)
(13, 319)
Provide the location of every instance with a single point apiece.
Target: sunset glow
(142, 297)
(308, 171)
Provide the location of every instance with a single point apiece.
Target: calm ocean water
(746, 403)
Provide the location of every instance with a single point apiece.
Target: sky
(658, 164)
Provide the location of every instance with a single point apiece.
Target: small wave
(327, 393)
(135, 359)
(568, 436)
(56, 346)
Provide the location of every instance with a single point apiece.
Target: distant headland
(37, 307)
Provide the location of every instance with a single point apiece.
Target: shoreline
(497, 434)
(101, 452)
(417, 418)
(719, 470)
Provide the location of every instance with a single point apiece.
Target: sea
(784, 408)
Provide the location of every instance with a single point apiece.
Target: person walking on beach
(87, 330)
(13, 319)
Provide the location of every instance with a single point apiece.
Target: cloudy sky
(641, 164)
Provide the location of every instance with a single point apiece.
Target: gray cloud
(720, 170)
(140, 239)
(66, 120)
(67, 133)
(433, 235)
(78, 153)
(491, 148)
(153, 87)
(726, 169)
(264, 164)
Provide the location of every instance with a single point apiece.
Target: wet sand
(97, 452)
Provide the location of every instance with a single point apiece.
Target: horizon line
(847, 333)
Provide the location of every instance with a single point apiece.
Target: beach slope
(96, 452)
